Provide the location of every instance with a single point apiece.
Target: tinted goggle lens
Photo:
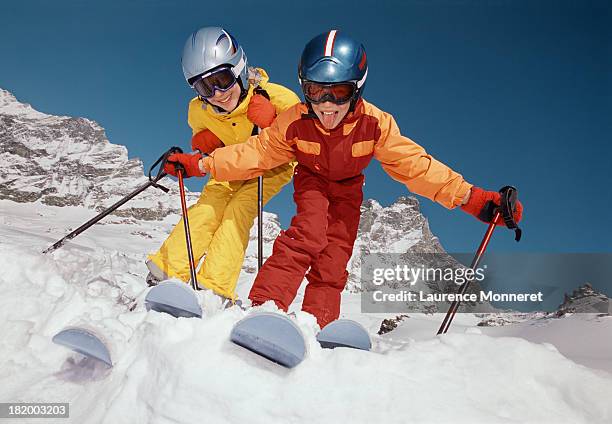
(222, 80)
(335, 93)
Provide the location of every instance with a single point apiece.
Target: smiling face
(226, 100)
(330, 114)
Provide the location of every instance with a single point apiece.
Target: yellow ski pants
(219, 224)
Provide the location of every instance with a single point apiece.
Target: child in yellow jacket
(232, 100)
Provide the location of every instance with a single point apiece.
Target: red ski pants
(319, 241)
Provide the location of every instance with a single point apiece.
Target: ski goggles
(337, 93)
(220, 80)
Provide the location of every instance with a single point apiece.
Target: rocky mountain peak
(67, 161)
(585, 299)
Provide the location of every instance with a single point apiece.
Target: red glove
(205, 141)
(477, 205)
(188, 161)
(261, 111)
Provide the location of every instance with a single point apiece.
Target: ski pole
(152, 182)
(259, 222)
(179, 173)
(260, 182)
(506, 211)
(463, 288)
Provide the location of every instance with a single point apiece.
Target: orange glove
(261, 111)
(478, 206)
(205, 142)
(189, 162)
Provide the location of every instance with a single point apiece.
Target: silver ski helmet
(212, 47)
(334, 57)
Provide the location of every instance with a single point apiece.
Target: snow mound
(185, 370)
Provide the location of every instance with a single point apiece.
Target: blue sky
(505, 92)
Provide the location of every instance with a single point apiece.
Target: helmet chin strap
(243, 92)
(354, 100)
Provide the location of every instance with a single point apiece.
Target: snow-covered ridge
(585, 299)
(9, 105)
(398, 228)
(60, 161)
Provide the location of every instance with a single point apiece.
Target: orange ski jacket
(341, 153)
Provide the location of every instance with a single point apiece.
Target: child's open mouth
(328, 118)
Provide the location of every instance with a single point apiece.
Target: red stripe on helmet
(362, 62)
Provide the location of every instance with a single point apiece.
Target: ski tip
(84, 342)
(344, 333)
(271, 335)
(174, 298)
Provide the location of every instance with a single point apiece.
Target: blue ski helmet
(212, 47)
(334, 57)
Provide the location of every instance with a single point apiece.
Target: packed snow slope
(169, 370)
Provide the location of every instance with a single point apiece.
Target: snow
(169, 370)
(586, 338)
(10, 106)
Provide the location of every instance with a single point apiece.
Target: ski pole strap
(160, 172)
(509, 196)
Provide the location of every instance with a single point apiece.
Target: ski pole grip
(177, 166)
(162, 163)
(509, 198)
